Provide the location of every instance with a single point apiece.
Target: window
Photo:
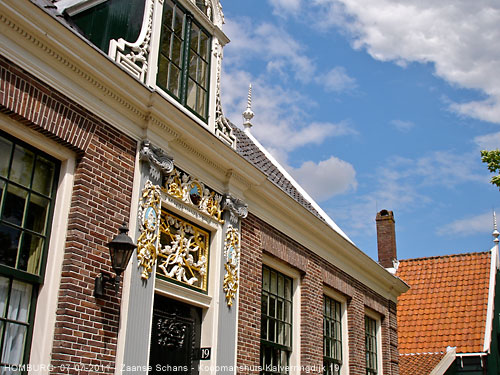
(276, 322)
(332, 336)
(184, 59)
(27, 191)
(371, 346)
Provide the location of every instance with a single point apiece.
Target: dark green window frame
(371, 346)
(184, 59)
(276, 322)
(332, 336)
(28, 184)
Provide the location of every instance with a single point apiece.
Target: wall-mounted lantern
(120, 250)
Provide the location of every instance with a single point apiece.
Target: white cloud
(482, 223)
(288, 6)
(403, 185)
(457, 36)
(402, 125)
(488, 141)
(337, 80)
(281, 115)
(327, 178)
(269, 43)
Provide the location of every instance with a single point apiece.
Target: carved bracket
(160, 164)
(236, 207)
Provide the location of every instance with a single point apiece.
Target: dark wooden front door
(175, 338)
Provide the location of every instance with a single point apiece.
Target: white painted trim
(127, 275)
(45, 317)
(445, 362)
(73, 7)
(378, 318)
(328, 291)
(491, 300)
(296, 309)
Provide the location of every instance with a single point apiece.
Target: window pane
(203, 74)
(265, 279)
(9, 241)
(204, 46)
(191, 94)
(176, 55)
(168, 11)
(14, 205)
(22, 166)
(178, 25)
(31, 253)
(161, 79)
(193, 67)
(19, 302)
(44, 175)
(4, 293)
(5, 151)
(174, 81)
(13, 345)
(36, 216)
(195, 33)
(200, 108)
(274, 283)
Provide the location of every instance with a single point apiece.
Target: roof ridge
(446, 256)
(423, 353)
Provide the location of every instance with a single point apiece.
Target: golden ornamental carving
(190, 190)
(232, 255)
(183, 252)
(149, 214)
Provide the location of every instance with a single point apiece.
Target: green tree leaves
(492, 158)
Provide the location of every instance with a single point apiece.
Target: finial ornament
(248, 114)
(495, 229)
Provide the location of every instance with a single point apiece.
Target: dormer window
(184, 59)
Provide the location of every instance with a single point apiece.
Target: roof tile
(446, 304)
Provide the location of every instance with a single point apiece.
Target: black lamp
(120, 250)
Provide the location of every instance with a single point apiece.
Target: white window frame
(329, 292)
(378, 319)
(45, 317)
(296, 308)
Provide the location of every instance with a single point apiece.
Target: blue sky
(376, 105)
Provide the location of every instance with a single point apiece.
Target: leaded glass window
(276, 322)
(332, 336)
(27, 193)
(184, 252)
(371, 345)
(184, 59)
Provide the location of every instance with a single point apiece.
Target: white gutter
(491, 299)
(299, 188)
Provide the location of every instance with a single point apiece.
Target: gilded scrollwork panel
(184, 251)
(192, 191)
(149, 214)
(232, 256)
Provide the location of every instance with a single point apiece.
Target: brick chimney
(386, 238)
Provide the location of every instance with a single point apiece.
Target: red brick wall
(86, 327)
(257, 238)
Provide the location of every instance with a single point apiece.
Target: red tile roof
(446, 304)
(421, 364)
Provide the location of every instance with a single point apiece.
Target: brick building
(111, 113)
